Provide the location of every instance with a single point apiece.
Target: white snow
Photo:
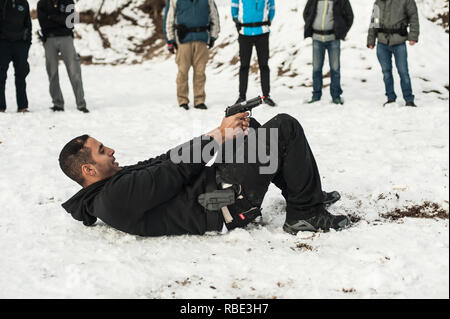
(379, 159)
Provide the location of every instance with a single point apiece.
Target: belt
(199, 29)
(324, 32)
(255, 24)
(401, 31)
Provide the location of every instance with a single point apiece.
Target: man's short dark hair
(73, 155)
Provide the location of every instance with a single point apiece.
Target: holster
(237, 211)
(182, 31)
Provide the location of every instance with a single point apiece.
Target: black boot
(389, 102)
(317, 218)
(268, 100)
(57, 109)
(185, 106)
(84, 110)
(240, 99)
(201, 106)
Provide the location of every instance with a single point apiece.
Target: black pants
(17, 53)
(296, 174)
(246, 43)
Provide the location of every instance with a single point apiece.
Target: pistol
(247, 106)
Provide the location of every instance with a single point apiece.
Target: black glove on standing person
(172, 47)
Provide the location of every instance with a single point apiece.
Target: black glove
(172, 47)
(211, 43)
(238, 24)
(242, 212)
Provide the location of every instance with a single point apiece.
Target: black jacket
(53, 16)
(343, 18)
(152, 198)
(15, 20)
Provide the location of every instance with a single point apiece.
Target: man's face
(106, 165)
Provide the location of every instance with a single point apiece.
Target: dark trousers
(296, 174)
(17, 53)
(246, 43)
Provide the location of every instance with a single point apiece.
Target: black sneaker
(330, 198)
(241, 99)
(321, 220)
(57, 109)
(411, 103)
(185, 106)
(84, 110)
(201, 106)
(269, 101)
(389, 102)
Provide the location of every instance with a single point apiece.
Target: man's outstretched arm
(150, 187)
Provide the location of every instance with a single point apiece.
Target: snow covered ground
(380, 159)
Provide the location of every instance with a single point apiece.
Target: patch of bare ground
(147, 48)
(426, 210)
(442, 19)
(302, 247)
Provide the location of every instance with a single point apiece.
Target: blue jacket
(191, 13)
(251, 11)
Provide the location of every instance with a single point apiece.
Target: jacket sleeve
(348, 14)
(235, 9)
(306, 11)
(149, 187)
(42, 13)
(214, 20)
(372, 34)
(271, 8)
(28, 25)
(169, 21)
(413, 18)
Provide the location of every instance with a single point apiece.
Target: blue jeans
(334, 55)
(384, 54)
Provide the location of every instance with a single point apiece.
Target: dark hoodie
(53, 16)
(15, 20)
(152, 198)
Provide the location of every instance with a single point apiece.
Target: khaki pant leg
(200, 59)
(184, 62)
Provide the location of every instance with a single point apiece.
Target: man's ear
(88, 170)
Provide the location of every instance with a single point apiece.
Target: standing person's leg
(296, 173)
(401, 61)
(184, 62)
(51, 47)
(318, 60)
(200, 59)
(245, 55)
(384, 55)
(334, 54)
(72, 62)
(22, 69)
(5, 59)
(262, 50)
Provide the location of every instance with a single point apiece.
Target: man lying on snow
(169, 196)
